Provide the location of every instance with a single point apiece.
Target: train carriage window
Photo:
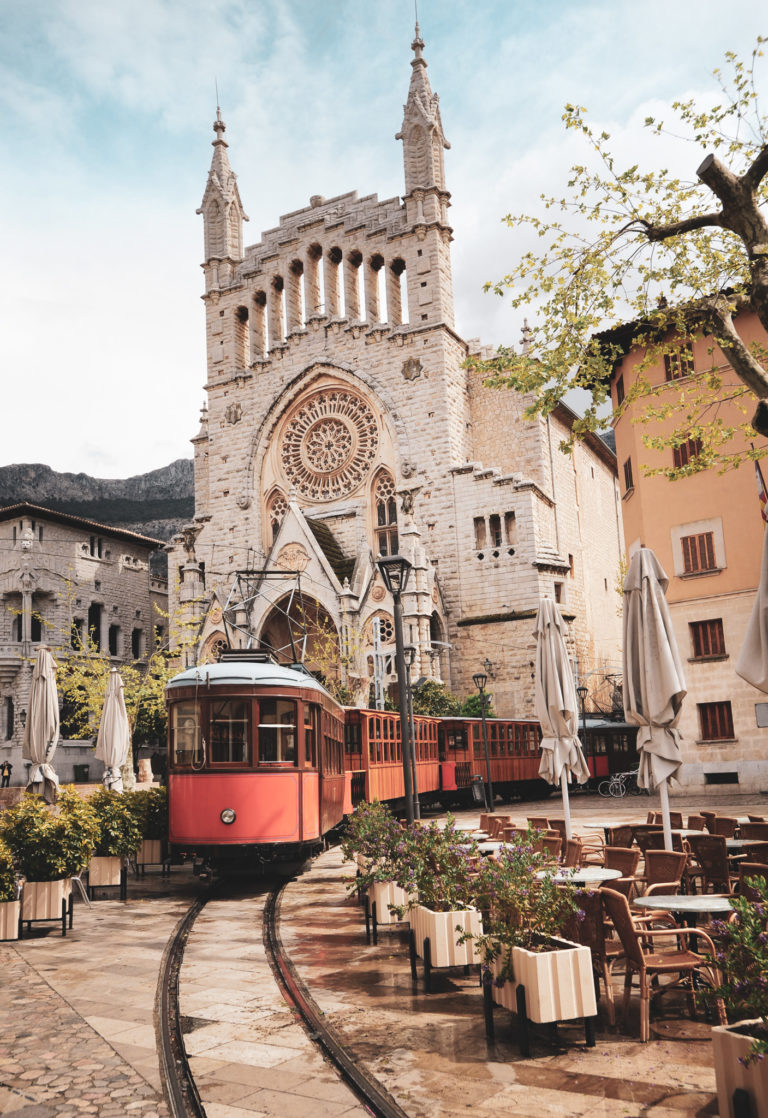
(310, 736)
(185, 734)
(229, 732)
(277, 732)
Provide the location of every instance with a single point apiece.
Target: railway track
(181, 1092)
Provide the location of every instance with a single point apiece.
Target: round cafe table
(740, 844)
(685, 905)
(583, 875)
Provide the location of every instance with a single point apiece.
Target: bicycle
(620, 784)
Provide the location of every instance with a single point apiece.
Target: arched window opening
(276, 510)
(385, 509)
(294, 301)
(242, 359)
(397, 306)
(258, 322)
(352, 285)
(417, 157)
(375, 294)
(276, 310)
(331, 277)
(213, 229)
(313, 299)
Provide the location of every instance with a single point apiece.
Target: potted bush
(149, 807)
(49, 846)
(10, 905)
(742, 959)
(525, 912)
(437, 867)
(374, 840)
(117, 837)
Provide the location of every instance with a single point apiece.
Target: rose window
(329, 445)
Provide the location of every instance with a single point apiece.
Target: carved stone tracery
(329, 445)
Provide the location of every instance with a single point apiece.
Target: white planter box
(440, 929)
(727, 1047)
(559, 985)
(104, 871)
(41, 900)
(150, 852)
(9, 919)
(383, 894)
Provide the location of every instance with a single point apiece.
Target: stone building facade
(341, 423)
(60, 573)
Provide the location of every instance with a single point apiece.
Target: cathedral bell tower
(223, 214)
(426, 200)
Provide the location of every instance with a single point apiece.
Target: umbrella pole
(566, 803)
(664, 796)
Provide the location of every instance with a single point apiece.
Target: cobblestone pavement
(77, 1032)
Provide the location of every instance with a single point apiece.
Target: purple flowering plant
(521, 908)
(437, 866)
(373, 838)
(741, 956)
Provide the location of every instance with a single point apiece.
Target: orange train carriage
(263, 762)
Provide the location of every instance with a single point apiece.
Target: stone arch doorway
(302, 631)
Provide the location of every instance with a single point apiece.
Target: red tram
(263, 762)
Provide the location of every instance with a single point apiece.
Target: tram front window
(229, 732)
(185, 734)
(277, 732)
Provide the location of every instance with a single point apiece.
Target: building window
(686, 452)
(9, 718)
(480, 536)
(716, 721)
(114, 640)
(620, 391)
(679, 363)
(276, 510)
(707, 638)
(94, 625)
(137, 643)
(36, 628)
(76, 633)
(385, 508)
(510, 527)
(628, 481)
(494, 526)
(698, 553)
(558, 587)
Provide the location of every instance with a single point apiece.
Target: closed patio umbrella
(654, 685)
(752, 664)
(41, 732)
(557, 706)
(114, 738)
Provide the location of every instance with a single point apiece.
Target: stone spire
(222, 210)
(422, 130)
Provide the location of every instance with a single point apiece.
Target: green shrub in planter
(149, 807)
(48, 843)
(7, 874)
(118, 832)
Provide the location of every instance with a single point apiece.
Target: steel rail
(179, 1087)
(371, 1093)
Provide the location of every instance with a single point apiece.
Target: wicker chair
(756, 818)
(696, 822)
(621, 836)
(550, 844)
(641, 833)
(590, 931)
(750, 870)
(663, 871)
(572, 853)
(539, 822)
(754, 831)
(623, 859)
(711, 854)
(649, 965)
(725, 825)
(709, 820)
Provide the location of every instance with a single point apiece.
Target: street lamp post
(480, 680)
(410, 655)
(395, 570)
(582, 691)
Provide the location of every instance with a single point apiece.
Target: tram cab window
(185, 734)
(229, 732)
(310, 736)
(277, 732)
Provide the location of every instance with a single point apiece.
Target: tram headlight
(227, 815)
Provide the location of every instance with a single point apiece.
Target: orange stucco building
(707, 531)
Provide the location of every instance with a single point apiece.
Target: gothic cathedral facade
(342, 424)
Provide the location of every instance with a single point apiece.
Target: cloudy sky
(107, 112)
